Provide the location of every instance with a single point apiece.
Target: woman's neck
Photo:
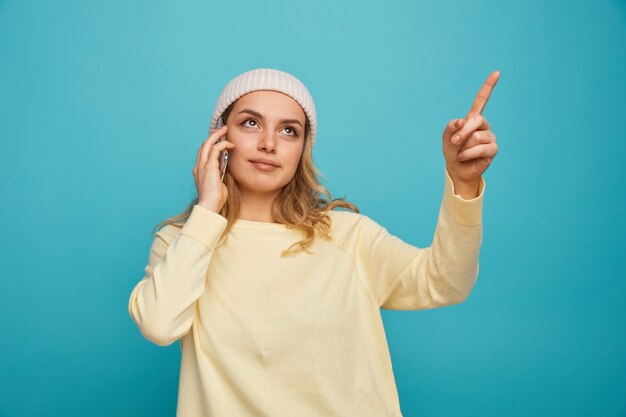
(256, 207)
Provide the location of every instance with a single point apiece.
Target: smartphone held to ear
(224, 154)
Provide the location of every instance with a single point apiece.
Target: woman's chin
(261, 187)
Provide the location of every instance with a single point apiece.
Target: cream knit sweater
(299, 336)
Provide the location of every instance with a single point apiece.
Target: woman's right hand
(212, 192)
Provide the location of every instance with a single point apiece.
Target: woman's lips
(263, 166)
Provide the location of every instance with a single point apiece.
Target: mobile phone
(224, 154)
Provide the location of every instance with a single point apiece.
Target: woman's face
(267, 128)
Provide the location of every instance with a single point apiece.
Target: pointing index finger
(483, 95)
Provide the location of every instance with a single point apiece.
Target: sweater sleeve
(405, 277)
(162, 303)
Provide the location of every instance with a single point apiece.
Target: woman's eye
(291, 131)
(249, 120)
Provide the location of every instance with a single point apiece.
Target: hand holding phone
(224, 154)
(212, 192)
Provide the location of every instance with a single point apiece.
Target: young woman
(274, 295)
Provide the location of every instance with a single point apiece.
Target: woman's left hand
(469, 145)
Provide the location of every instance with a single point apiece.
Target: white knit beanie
(266, 79)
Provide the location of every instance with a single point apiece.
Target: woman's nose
(267, 142)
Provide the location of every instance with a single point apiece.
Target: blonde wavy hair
(304, 203)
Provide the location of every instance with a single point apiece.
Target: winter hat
(266, 79)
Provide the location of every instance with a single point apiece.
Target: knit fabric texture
(266, 79)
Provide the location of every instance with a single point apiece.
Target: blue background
(103, 106)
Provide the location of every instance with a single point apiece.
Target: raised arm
(404, 277)
(444, 273)
(401, 276)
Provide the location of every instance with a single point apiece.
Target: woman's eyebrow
(260, 116)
